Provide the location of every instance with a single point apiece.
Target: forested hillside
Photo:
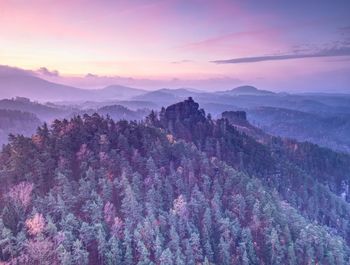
(44, 112)
(177, 188)
(330, 131)
(18, 122)
(116, 112)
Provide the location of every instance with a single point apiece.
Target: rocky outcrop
(238, 119)
(184, 119)
(188, 109)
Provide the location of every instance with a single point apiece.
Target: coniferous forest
(178, 187)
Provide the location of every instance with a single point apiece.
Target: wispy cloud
(232, 39)
(330, 52)
(182, 62)
(344, 29)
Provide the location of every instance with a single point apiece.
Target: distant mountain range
(246, 90)
(23, 84)
(44, 112)
(19, 83)
(317, 117)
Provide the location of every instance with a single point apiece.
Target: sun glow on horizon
(174, 39)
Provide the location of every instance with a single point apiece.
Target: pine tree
(291, 255)
(101, 242)
(130, 206)
(80, 255)
(245, 259)
(190, 259)
(166, 258)
(276, 248)
(144, 255)
(128, 254)
(248, 241)
(158, 247)
(65, 257)
(179, 258)
(224, 252)
(87, 233)
(174, 243)
(94, 208)
(114, 253)
(196, 247)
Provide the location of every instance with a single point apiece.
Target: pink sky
(169, 39)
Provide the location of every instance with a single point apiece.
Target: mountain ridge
(246, 90)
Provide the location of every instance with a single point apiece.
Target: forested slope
(178, 188)
(310, 178)
(331, 130)
(16, 122)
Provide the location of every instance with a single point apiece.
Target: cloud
(344, 29)
(46, 72)
(96, 81)
(6, 70)
(182, 62)
(90, 75)
(330, 52)
(234, 39)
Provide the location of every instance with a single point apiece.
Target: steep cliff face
(183, 118)
(185, 110)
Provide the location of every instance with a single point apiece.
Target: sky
(205, 44)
